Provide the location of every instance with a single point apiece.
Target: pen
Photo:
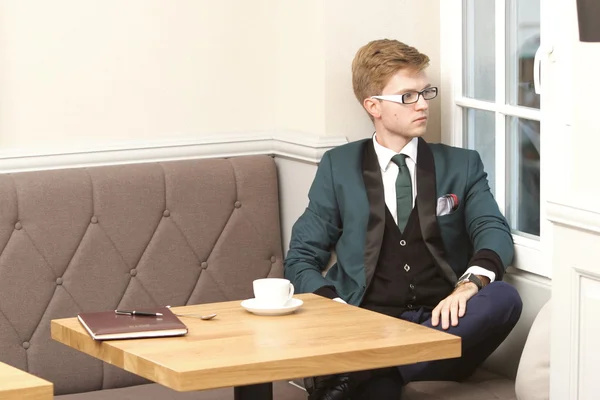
(140, 313)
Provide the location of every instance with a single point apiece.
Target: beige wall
(92, 73)
(350, 25)
(80, 72)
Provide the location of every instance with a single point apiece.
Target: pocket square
(446, 204)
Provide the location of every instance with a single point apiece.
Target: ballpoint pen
(140, 313)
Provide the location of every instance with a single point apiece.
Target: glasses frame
(399, 98)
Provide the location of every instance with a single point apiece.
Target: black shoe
(318, 384)
(336, 388)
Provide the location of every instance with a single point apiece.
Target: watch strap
(470, 277)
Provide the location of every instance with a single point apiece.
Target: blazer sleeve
(487, 227)
(314, 234)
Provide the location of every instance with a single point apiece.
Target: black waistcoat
(406, 276)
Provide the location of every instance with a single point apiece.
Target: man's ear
(373, 107)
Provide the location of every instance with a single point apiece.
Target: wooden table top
(239, 348)
(16, 384)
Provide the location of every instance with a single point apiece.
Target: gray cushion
(483, 385)
(282, 390)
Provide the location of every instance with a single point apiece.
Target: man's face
(406, 120)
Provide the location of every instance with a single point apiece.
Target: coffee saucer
(262, 309)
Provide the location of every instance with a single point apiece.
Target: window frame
(528, 251)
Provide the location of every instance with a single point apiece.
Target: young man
(417, 233)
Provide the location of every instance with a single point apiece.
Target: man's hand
(454, 306)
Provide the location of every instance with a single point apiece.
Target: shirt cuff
(482, 271)
(489, 261)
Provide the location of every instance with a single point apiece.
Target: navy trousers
(491, 314)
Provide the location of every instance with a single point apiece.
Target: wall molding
(295, 145)
(523, 275)
(573, 217)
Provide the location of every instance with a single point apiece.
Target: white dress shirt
(389, 173)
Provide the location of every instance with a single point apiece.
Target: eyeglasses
(410, 97)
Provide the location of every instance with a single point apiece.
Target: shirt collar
(384, 155)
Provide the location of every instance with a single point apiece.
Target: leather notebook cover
(106, 325)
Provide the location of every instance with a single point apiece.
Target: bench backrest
(127, 236)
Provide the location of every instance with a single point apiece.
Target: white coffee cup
(273, 292)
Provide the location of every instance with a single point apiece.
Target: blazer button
(403, 243)
(410, 306)
(406, 267)
(411, 286)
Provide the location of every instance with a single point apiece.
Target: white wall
(574, 212)
(99, 73)
(585, 139)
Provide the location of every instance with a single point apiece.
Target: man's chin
(417, 133)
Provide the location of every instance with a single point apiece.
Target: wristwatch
(470, 277)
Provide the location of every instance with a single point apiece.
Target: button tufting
(133, 272)
(94, 220)
(59, 281)
(273, 259)
(204, 265)
(18, 226)
(237, 204)
(166, 213)
(26, 345)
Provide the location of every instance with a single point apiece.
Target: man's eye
(409, 96)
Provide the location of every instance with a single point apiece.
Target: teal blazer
(346, 212)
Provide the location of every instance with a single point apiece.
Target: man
(417, 233)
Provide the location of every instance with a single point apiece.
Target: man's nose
(421, 104)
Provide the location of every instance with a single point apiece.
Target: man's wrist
(479, 281)
(484, 280)
(466, 286)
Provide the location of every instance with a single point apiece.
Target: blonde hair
(377, 61)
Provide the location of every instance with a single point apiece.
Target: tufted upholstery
(90, 239)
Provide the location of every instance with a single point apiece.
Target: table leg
(261, 391)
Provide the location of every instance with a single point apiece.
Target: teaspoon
(202, 317)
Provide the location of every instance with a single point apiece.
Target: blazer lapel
(427, 203)
(376, 224)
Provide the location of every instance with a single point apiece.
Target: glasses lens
(410, 97)
(430, 93)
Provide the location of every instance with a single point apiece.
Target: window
(493, 105)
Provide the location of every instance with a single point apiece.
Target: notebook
(106, 325)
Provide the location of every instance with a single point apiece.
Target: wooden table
(16, 384)
(241, 349)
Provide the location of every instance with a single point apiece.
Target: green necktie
(404, 201)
